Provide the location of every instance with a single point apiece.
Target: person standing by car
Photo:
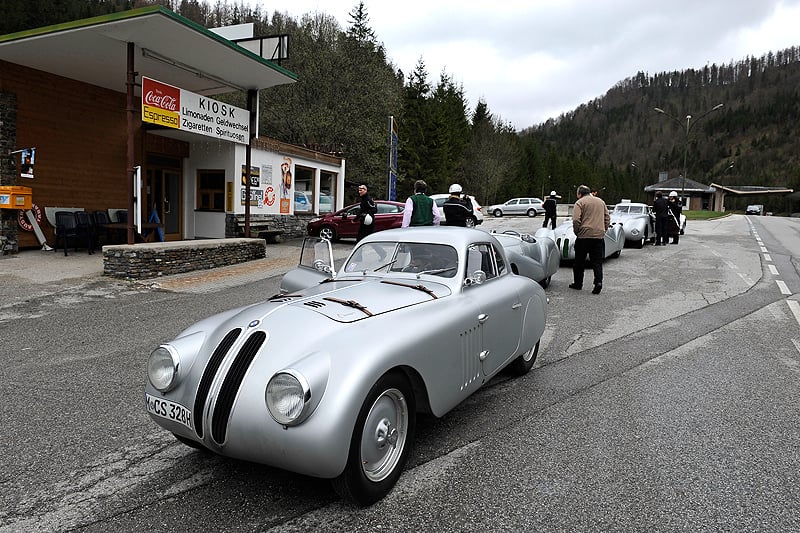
(675, 216)
(661, 210)
(420, 208)
(367, 214)
(590, 221)
(550, 210)
(457, 210)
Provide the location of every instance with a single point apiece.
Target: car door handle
(483, 317)
(483, 355)
(516, 305)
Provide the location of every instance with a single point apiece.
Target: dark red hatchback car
(344, 223)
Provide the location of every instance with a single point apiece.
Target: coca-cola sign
(161, 95)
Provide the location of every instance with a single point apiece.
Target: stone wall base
(151, 260)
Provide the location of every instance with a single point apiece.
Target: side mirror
(477, 278)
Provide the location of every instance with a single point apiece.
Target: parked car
(518, 206)
(637, 220)
(755, 209)
(322, 380)
(344, 224)
(476, 209)
(535, 256)
(565, 239)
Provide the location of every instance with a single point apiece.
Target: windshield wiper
(390, 263)
(435, 271)
(350, 303)
(419, 287)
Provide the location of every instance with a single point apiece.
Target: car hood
(622, 217)
(348, 300)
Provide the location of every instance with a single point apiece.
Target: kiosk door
(163, 200)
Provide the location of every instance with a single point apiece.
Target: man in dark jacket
(367, 214)
(661, 210)
(457, 210)
(550, 210)
(675, 217)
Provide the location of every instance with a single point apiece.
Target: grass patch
(703, 215)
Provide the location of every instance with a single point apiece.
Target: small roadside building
(117, 113)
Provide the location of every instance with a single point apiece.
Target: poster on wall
(255, 176)
(256, 197)
(286, 186)
(27, 157)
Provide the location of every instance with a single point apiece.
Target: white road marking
(767, 257)
(764, 250)
(782, 286)
(794, 307)
(773, 269)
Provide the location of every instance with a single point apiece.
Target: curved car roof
(453, 235)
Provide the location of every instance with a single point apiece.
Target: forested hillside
(751, 140)
(348, 87)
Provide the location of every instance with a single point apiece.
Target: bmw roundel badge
(253, 324)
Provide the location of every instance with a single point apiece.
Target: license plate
(169, 410)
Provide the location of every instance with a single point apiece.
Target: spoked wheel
(522, 364)
(470, 222)
(327, 232)
(531, 213)
(497, 213)
(381, 441)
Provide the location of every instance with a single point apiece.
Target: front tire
(381, 441)
(498, 213)
(522, 364)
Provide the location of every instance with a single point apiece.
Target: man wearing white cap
(550, 210)
(456, 209)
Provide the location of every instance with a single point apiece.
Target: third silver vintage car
(637, 221)
(565, 239)
(327, 377)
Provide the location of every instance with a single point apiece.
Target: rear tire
(532, 213)
(522, 364)
(470, 222)
(381, 441)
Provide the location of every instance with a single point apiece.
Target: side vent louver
(315, 304)
(230, 387)
(208, 378)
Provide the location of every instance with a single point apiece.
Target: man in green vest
(420, 208)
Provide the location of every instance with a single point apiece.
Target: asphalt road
(668, 402)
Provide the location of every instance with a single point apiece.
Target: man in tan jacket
(590, 220)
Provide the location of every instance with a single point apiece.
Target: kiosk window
(211, 190)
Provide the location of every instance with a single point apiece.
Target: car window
(621, 209)
(479, 257)
(353, 211)
(435, 259)
(512, 202)
(388, 208)
(524, 201)
(498, 259)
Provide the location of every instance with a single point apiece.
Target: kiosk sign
(173, 107)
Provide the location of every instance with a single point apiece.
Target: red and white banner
(173, 107)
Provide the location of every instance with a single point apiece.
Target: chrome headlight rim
(295, 414)
(164, 384)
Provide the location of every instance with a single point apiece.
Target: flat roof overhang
(168, 48)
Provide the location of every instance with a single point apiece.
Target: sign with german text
(172, 107)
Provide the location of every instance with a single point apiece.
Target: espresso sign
(173, 107)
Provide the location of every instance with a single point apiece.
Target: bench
(262, 229)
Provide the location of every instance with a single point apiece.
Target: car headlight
(635, 231)
(162, 367)
(314, 220)
(287, 397)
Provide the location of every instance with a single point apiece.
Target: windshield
(418, 258)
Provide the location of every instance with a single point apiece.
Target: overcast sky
(531, 60)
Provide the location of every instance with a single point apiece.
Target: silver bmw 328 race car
(326, 378)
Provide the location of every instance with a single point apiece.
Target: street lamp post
(687, 128)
